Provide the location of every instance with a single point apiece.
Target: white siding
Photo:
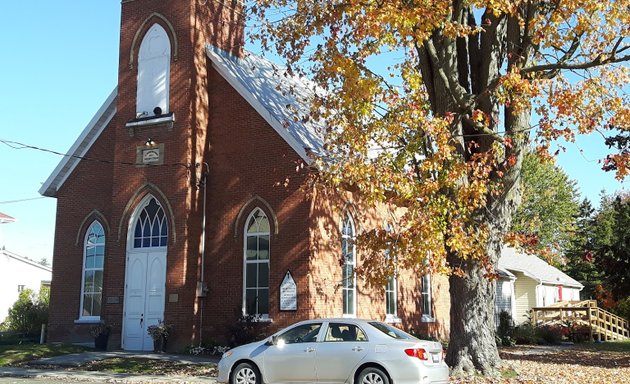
(15, 272)
(525, 297)
(572, 294)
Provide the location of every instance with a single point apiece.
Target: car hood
(248, 348)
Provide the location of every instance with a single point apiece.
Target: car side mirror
(273, 340)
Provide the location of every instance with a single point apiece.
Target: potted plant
(100, 332)
(159, 333)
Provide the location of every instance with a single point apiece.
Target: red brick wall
(86, 191)
(115, 190)
(325, 274)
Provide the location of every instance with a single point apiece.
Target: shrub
(622, 308)
(550, 334)
(525, 334)
(505, 330)
(29, 312)
(211, 348)
(247, 329)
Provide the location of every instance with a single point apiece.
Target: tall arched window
(391, 289)
(154, 66)
(151, 227)
(427, 300)
(93, 261)
(349, 258)
(256, 271)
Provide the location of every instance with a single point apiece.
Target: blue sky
(60, 62)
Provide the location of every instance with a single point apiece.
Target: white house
(4, 219)
(526, 281)
(16, 274)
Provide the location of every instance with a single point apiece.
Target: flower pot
(159, 344)
(100, 342)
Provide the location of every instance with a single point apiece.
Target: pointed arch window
(92, 281)
(391, 289)
(154, 60)
(427, 300)
(256, 270)
(348, 251)
(151, 228)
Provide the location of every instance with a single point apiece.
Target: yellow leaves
(392, 148)
(516, 91)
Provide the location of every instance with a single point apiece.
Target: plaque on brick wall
(288, 293)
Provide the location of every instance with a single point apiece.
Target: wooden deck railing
(601, 324)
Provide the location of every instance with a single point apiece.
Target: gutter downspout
(202, 288)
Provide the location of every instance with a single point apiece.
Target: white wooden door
(144, 297)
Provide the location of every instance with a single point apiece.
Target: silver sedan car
(336, 351)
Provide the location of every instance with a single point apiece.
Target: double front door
(144, 296)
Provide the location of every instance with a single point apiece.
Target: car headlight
(226, 354)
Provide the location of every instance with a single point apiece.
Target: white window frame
(85, 269)
(161, 223)
(344, 286)
(427, 313)
(259, 316)
(391, 317)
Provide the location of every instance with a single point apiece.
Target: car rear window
(392, 332)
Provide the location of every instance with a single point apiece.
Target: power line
(17, 145)
(22, 200)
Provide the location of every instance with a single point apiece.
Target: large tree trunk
(472, 347)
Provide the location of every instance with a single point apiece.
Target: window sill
(264, 319)
(349, 316)
(167, 120)
(427, 319)
(88, 321)
(393, 319)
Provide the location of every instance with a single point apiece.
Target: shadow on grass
(146, 366)
(613, 355)
(22, 353)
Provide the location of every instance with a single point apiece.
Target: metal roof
(4, 218)
(282, 99)
(15, 256)
(534, 267)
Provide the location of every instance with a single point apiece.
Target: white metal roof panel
(535, 267)
(281, 99)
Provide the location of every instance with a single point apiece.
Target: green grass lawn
(150, 366)
(610, 346)
(20, 353)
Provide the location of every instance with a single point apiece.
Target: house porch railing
(600, 324)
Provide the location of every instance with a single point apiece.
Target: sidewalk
(77, 359)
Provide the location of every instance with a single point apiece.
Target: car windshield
(392, 332)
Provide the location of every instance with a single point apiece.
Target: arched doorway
(145, 274)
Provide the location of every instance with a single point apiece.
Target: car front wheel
(245, 373)
(373, 375)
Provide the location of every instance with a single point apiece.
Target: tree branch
(554, 67)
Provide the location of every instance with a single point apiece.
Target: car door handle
(309, 349)
(357, 349)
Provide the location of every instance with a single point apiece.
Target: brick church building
(185, 199)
